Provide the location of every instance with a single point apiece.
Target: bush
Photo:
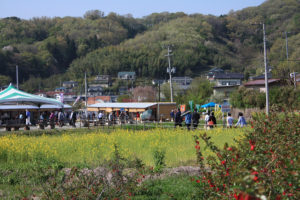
(264, 165)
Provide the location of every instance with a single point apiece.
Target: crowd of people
(191, 119)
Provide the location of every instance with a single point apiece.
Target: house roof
(216, 69)
(262, 76)
(229, 76)
(260, 82)
(124, 73)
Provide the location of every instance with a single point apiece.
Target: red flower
(223, 162)
(254, 173)
(235, 196)
(229, 149)
(252, 148)
(197, 142)
(197, 147)
(290, 185)
(273, 171)
(198, 181)
(255, 179)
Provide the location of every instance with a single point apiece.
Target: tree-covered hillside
(64, 48)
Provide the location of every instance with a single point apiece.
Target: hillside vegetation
(58, 49)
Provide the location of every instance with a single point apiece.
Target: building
(226, 83)
(123, 90)
(70, 84)
(214, 71)
(126, 75)
(260, 84)
(95, 90)
(102, 80)
(159, 111)
(60, 89)
(182, 82)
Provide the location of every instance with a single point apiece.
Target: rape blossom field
(93, 148)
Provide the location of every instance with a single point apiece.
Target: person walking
(28, 123)
(188, 120)
(74, 118)
(206, 119)
(178, 118)
(241, 121)
(229, 121)
(61, 118)
(195, 118)
(212, 120)
(172, 115)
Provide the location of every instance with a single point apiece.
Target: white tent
(11, 95)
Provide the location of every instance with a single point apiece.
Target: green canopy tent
(11, 95)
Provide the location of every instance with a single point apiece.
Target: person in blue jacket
(241, 121)
(188, 120)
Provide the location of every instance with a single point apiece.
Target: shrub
(264, 165)
(159, 159)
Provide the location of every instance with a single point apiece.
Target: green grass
(175, 187)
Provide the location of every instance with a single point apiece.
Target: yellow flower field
(94, 148)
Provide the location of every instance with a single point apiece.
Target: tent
(11, 95)
(210, 104)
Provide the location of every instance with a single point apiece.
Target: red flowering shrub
(264, 165)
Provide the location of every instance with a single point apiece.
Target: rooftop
(260, 82)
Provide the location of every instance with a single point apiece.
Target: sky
(27, 9)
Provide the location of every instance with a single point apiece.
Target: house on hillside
(214, 71)
(126, 75)
(70, 84)
(95, 90)
(226, 83)
(103, 81)
(60, 89)
(260, 84)
(182, 82)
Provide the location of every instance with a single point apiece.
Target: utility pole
(85, 90)
(170, 71)
(266, 70)
(287, 56)
(17, 76)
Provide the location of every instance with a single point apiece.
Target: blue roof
(210, 104)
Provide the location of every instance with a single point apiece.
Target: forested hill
(100, 44)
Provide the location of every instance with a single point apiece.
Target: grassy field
(95, 147)
(26, 158)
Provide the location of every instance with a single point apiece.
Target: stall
(12, 99)
(160, 111)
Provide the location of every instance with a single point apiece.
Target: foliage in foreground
(264, 166)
